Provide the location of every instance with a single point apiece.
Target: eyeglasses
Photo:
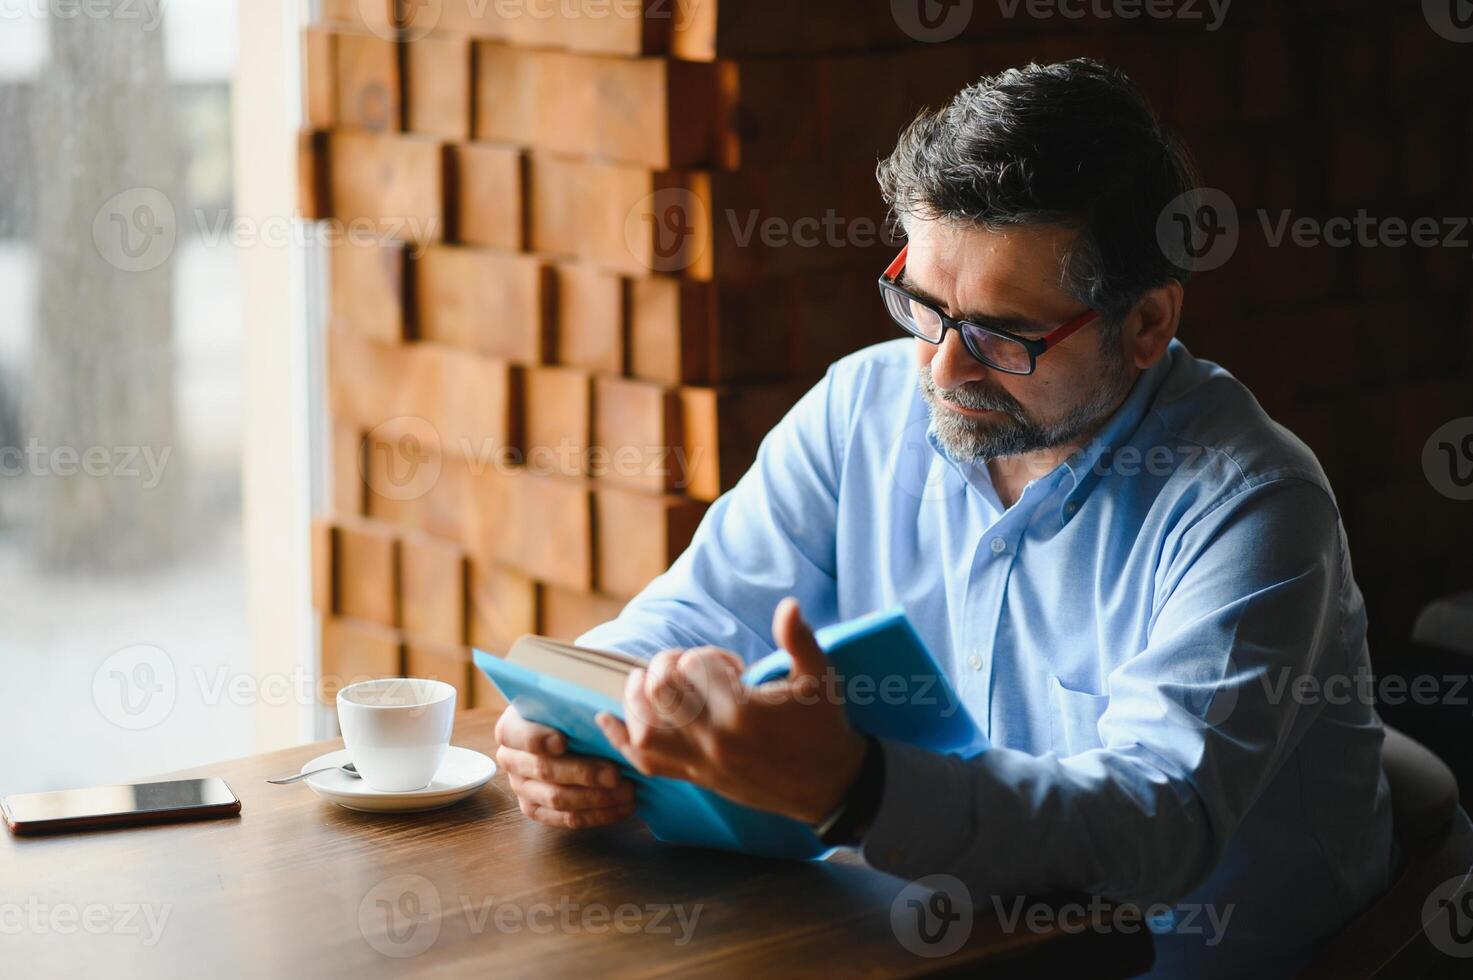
(996, 348)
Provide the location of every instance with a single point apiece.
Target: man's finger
(580, 819)
(570, 798)
(795, 636)
(649, 759)
(710, 662)
(567, 770)
(516, 732)
(661, 666)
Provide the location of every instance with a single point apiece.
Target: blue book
(892, 688)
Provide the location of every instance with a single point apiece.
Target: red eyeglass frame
(1036, 348)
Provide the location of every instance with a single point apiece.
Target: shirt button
(974, 662)
(1070, 507)
(999, 546)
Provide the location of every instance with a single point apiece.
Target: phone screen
(71, 805)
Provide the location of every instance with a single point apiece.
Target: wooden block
(387, 390)
(567, 614)
(366, 576)
(322, 564)
(320, 107)
(313, 195)
(502, 607)
(348, 470)
(638, 535)
(688, 31)
(366, 76)
(435, 502)
(441, 662)
(426, 398)
(479, 404)
(395, 182)
(620, 217)
(471, 18)
(665, 114)
(377, 16)
(693, 34)
(432, 589)
(649, 111)
(592, 317)
(498, 303)
(549, 531)
(509, 88)
(671, 324)
(704, 225)
(636, 427)
(722, 428)
(353, 651)
(683, 332)
(437, 86)
(684, 126)
(558, 414)
(621, 28)
(489, 510)
(367, 293)
(487, 190)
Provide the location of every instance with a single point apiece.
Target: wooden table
(299, 887)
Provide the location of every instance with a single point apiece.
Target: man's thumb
(793, 635)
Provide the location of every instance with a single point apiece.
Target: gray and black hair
(1073, 144)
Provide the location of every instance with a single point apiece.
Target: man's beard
(970, 440)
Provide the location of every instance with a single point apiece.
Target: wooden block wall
(568, 326)
(601, 273)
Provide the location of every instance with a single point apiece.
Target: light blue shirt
(1156, 637)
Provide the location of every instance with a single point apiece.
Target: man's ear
(1157, 316)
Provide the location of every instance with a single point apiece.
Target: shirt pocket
(1074, 718)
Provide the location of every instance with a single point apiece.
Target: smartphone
(118, 806)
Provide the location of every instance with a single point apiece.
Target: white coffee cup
(397, 730)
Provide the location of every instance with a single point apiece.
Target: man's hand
(554, 788)
(785, 746)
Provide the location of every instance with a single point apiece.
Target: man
(1129, 572)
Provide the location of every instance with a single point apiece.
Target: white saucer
(463, 772)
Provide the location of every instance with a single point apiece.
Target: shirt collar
(1086, 465)
(1082, 467)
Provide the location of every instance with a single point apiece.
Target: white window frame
(276, 438)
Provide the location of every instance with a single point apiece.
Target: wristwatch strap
(845, 826)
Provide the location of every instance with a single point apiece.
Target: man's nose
(953, 365)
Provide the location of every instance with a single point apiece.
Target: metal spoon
(283, 780)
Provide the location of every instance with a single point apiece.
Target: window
(122, 586)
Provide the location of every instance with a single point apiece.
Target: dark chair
(1391, 940)
(1447, 624)
(1441, 651)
